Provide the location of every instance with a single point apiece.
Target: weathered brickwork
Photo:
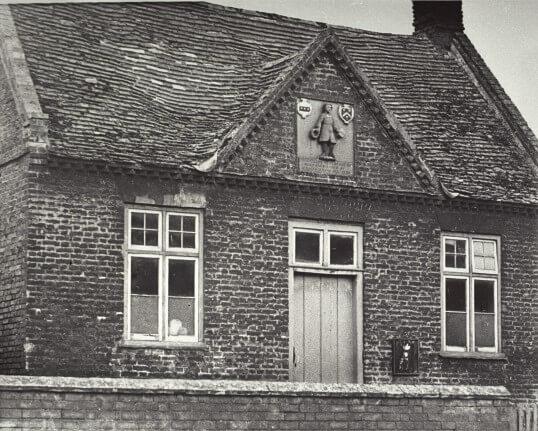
(12, 265)
(377, 162)
(75, 286)
(193, 407)
(12, 233)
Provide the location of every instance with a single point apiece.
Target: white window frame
(443, 248)
(470, 275)
(326, 230)
(485, 271)
(164, 253)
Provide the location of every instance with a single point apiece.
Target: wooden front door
(323, 328)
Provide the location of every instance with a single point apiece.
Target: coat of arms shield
(304, 108)
(346, 113)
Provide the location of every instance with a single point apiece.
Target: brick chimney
(438, 19)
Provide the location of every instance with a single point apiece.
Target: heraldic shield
(346, 113)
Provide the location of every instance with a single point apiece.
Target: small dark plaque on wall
(404, 357)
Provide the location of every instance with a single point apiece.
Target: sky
(505, 32)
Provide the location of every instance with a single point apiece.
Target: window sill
(473, 355)
(168, 345)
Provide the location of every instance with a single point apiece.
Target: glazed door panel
(323, 329)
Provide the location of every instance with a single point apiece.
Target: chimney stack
(438, 19)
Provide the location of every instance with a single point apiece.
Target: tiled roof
(164, 83)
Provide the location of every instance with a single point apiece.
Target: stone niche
(310, 152)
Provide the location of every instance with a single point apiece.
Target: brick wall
(78, 404)
(12, 233)
(75, 286)
(12, 265)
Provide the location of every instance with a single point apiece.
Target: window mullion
(472, 347)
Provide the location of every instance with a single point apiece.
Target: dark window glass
(144, 276)
(456, 325)
(137, 219)
(137, 237)
(484, 330)
(188, 240)
(174, 222)
(152, 221)
(483, 296)
(342, 249)
(151, 237)
(307, 247)
(181, 277)
(174, 239)
(189, 224)
(455, 253)
(455, 294)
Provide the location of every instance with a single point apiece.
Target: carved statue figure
(326, 133)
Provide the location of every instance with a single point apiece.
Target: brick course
(199, 405)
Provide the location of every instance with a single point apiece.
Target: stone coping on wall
(246, 388)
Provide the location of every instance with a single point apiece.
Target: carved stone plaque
(324, 140)
(404, 357)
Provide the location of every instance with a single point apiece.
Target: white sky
(505, 32)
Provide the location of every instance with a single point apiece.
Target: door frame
(356, 273)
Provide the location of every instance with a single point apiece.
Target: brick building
(193, 191)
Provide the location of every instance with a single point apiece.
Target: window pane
(137, 219)
(174, 239)
(181, 277)
(450, 246)
(307, 247)
(174, 222)
(489, 263)
(484, 330)
(342, 249)
(188, 224)
(144, 276)
(152, 221)
(478, 248)
(455, 294)
(180, 316)
(489, 248)
(479, 263)
(137, 237)
(484, 296)
(144, 315)
(456, 325)
(151, 237)
(455, 253)
(188, 240)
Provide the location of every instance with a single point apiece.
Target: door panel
(329, 329)
(311, 327)
(322, 329)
